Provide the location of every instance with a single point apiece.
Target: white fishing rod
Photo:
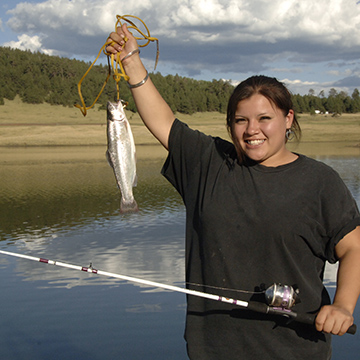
(280, 298)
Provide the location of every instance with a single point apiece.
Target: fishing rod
(279, 298)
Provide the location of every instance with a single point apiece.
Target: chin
(258, 159)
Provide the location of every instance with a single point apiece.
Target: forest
(39, 78)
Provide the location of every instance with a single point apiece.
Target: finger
(320, 320)
(116, 42)
(345, 327)
(330, 327)
(117, 35)
(337, 328)
(110, 50)
(125, 30)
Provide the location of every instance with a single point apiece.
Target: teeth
(255, 142)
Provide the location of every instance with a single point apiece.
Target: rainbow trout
(121, 154)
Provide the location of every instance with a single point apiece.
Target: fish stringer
(114, 62)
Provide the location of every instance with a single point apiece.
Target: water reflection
(349, 170)
(70, 210)
(59, 195)
(61, 200)
(63, 204)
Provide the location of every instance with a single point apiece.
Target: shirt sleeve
(339, 211)
(186, 150)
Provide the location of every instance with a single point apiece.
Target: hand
(333, 319)
(123, 42)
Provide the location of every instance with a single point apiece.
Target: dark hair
(274, 90)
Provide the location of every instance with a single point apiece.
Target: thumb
(124, 28)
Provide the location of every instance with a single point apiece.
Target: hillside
(38, 78)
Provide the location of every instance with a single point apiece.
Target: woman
(256, 214)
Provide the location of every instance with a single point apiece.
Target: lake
(62, 203)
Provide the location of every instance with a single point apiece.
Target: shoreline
(44, 125)
(92, 153)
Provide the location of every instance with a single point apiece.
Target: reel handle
(310, 319)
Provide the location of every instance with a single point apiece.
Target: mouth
(256, 142)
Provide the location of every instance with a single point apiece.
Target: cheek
(274, 129)
(238, 132)
(237, 135)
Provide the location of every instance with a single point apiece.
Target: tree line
(39, 78)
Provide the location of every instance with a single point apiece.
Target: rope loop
(114, 62)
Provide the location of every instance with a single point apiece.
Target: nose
(252, 127)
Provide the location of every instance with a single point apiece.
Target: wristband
(130, 54)
(142, 82)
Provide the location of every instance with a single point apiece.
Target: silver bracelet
(142, 82)
(130, 54)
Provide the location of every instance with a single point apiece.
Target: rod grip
(258, 307)
(310, 319)
(299, 317)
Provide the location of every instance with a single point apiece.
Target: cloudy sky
(308, 44)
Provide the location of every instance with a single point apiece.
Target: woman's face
(260, 129)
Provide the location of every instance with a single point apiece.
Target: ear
(289, 118)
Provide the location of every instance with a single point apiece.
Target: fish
(121, 154)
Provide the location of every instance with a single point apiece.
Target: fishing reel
(284, 296)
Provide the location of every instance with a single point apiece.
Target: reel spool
(279, 295)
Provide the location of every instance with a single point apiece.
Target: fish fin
(128, 206)
(108, 158)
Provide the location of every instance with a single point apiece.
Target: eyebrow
(261, 114)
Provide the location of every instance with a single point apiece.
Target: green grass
(47, 125)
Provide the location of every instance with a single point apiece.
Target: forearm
(154, 111)
(348, 281)
(337, 317)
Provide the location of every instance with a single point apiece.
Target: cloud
(295, 70)
(32, 43)
(345, 72)
(302, 87)
(348, 82)
(217, 36)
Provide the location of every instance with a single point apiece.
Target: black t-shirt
(249, 226)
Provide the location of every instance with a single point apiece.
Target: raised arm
(337, 318)
(154, 111)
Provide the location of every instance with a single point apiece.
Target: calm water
(63, 204)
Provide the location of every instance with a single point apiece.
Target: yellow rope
(114, 61)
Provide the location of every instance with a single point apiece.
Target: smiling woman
(260, 118)
(260, 131)
(253, 206)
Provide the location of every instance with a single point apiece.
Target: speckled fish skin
(121, 154)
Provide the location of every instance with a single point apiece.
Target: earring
(289, 134)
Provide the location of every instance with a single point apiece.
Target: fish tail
(128, 206)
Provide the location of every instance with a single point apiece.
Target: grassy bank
(46, 125)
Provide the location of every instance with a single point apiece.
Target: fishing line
(227, 289)
(114, 62)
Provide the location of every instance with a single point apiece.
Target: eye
(265, 117)
(239, 120)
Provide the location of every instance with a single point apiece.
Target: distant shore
(47, 125)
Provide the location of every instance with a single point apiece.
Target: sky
(307, 44)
